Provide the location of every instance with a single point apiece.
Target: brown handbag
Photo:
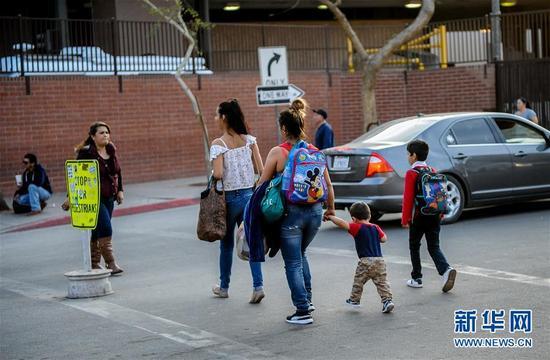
(212, 214)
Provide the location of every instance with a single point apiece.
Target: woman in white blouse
(235, 156)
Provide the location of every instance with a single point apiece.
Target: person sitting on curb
(35, 188)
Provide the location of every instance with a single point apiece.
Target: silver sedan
(488, 158)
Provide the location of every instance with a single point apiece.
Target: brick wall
(155, 130)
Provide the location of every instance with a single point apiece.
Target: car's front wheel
(455, 200)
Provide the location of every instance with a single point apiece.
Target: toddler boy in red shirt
(371, 264)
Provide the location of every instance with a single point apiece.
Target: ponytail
(234, 116)
(293, 119)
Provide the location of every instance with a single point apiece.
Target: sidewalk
(138, 198)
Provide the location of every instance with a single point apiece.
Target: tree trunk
(175, 19)
(206, 143)
(369, 96)
(372, 64)
(198, 115)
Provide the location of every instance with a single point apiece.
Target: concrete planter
(86, 284)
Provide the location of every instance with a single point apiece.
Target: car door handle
(520, 154)
(460, 156)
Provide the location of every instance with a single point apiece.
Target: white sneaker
(449, 279)
(415, 283)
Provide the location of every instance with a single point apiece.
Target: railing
(526, 36)
(31, 46)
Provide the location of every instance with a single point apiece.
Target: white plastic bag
(243, 252)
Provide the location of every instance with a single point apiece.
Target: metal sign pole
(277, 125)
(83, 187)
(86, 256)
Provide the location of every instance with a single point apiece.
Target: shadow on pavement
(393, 220)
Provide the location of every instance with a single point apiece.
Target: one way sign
(273, 66)
(275, 95)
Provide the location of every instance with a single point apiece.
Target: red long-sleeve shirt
(408, 211)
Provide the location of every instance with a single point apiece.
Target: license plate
(340, 163)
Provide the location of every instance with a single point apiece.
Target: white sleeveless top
(238, 169)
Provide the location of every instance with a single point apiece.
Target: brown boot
(106, 247)
(95, 254)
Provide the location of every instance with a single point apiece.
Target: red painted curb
(138, 209)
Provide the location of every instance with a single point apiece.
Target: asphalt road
(162, 307)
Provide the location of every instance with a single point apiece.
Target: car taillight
(377, 164)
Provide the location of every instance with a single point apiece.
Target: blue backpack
(303, 177)
(431, 193)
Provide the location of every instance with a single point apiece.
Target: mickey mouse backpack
(303, 178)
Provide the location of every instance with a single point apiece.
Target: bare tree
(371, 64)
(173, 16)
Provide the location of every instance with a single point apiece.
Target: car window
(450, 138)
(515, 132)
(396, 131)
(473, 131)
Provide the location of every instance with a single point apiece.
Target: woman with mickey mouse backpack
(300, 222)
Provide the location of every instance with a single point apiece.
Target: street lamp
(413, 4)
(232, 6)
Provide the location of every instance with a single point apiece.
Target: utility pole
(496, 35)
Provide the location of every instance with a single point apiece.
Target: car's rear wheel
(455, 200)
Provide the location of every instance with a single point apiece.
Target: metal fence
(524, 36)
(43, 46)
(31, 46)
(524, 78)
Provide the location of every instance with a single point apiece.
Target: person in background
(35, 188)
(324, 136)
(98, 146)
(525, 111)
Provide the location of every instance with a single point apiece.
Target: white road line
(191, 338)
(462, 269)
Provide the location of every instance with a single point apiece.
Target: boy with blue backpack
(424, 202)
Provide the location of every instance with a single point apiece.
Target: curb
(133, 210)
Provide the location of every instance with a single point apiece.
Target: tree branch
(422, 19)
(343, 20)
(177, 21)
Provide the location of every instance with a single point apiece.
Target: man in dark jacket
(324, 136)
(35, 187)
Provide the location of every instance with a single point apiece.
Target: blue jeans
(35, 195)
(236, 201)
(299, 227)
(104, 227)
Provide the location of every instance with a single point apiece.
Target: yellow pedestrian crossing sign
(83, 187)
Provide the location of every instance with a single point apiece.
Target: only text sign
(83, 187)
(273, 66)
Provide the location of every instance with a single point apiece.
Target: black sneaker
(311, 308)
(302, 317)
(388, 306)
(353, 304)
